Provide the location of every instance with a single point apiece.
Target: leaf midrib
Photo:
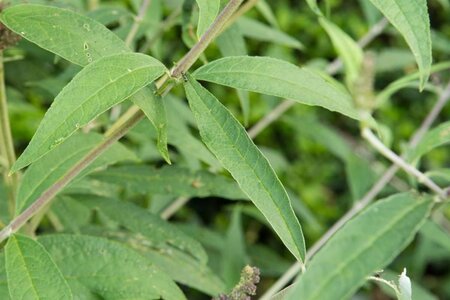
(88, 99)
(262, 183)
(359, 251)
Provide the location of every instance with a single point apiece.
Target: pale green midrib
(22, 257)
(264, 186)
(73, 154)
(88, 99)
(295, 84)
(361, 250)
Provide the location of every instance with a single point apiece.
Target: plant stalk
(7, 148)
(366, 200)
(121, 130)
(396, 159)
(191, 57)
(137, 22)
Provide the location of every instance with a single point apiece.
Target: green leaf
(153, 107)
(278, 78)
(98, 87)
(229, 142)
(406, 81)
(232, 43)
(364, 245)
(108, 269)
(75, 37)
(436, 233)
(412, 21)
(261, 32)
(208, 11)
(173, 180)
(55, 164)
(234, 256)
(31, 272)
(350, 52)
(138, 220)
(4, 292)
(434, 138)
(69, 215)
(185, 270)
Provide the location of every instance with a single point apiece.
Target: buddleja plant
(87, 219)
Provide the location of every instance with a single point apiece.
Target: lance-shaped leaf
(208, 10)
(98, 87)
(350, 52)
(138, 220)
(75, 37)
(31, 272)
(173, 180)
(412, 21)
(80, 40)
(229, 142)
(52, 166)
(108, 269)
(153, 107)
(434, 138)
(364, 245)
(278, 78)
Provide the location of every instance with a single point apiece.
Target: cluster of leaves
(92, 212)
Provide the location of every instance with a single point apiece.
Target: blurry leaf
(323, 134)
(350, 52)
(229, 142)
(208, 10)
(108, 269)
(234, 256)
(434, 138)
(277, 78)
(405, 81)
(360, 177)
(232, 43)
(52, 166)
(138, 220)
(269, 261)
(180, 119)
(109, 14)
(364, 245)
(153, 107)
(393, 59)
(95, 89)
(435, 233)
(31, 272)
(173, 180)
(412, 21)
(53, 28)
(256, 30)
(371, 13)
(441, 42)
(314, 7)
(4, 292)
(266, 11)
(186, 270)
(69, 214)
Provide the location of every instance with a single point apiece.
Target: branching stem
(123, 128)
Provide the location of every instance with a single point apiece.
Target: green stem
(137, 22)
(191, 57)
(7, 141)
(119, 131)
